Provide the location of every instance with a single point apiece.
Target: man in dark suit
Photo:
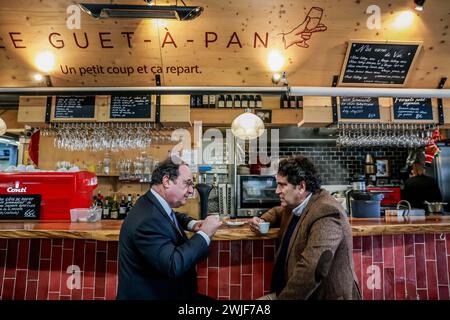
(156, 259)
(314, 259)
(420, 188)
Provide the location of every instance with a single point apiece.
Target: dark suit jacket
(156, 261)
(319, 260)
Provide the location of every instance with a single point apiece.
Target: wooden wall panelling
(32, 110)
(102, 104)
(175, 110)
(317, 112)
(215, 117)
(287, 116)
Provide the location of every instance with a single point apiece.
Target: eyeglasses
(188, 183)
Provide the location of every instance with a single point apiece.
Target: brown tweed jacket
(319, 262)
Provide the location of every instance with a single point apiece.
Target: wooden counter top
(109, 230)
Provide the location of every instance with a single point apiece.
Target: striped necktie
(174, 220)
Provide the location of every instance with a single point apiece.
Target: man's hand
(254, 224)
(210, 225)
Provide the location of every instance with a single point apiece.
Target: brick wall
(337, 165)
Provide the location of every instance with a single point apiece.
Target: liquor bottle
(299, 102)
(229, 101)
(114, 212)
(221, 101)
(244, 101)
(212, 101)
(283, 98)
(106, 209)
(237, 101)
(205, 101)
(286, 102)
(193, 102)
(122, 208)
(99, 202)
(199, 100)
(258, 102)
(291, 102)
(251, 102)
(129, 203)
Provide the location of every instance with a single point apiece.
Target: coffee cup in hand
(264, 227)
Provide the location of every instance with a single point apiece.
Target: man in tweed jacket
(314, 259)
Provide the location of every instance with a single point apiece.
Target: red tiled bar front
(398, 266)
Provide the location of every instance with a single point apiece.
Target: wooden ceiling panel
(228, 44)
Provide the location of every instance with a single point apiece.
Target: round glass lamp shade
(2, 127)
(247, 126)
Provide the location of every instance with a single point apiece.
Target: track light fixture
(419, 4)
(107, 10)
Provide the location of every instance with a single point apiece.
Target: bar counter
(395, 258)
(109, 230)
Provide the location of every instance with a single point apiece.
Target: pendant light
(247, 126)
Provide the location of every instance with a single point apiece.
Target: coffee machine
(362, 203)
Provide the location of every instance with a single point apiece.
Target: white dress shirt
(298, 210)
(168, 210)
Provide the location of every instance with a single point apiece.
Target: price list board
(412, 109)
(359, 108)
(378, 63)
(15, 206)
(71, 108)
(126, 107)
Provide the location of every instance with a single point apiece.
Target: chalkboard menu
(412, 109)
(378, 63)
(82, 107)
(359, 108)
(15, 206)
(130, 107)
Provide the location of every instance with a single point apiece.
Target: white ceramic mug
(264, 227)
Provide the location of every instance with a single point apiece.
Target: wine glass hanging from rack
(111, 136)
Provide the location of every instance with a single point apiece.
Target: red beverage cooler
(59, 191)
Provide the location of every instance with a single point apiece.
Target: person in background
(420, 188)
(156, 259)
(314, 259)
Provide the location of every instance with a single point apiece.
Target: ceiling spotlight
(106, 10)
(419, 4)
(38, 77)
(278, 77)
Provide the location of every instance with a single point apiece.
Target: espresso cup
(264, 227)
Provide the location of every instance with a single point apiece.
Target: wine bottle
(258, 101)
(237, 101)
(221, 101)
(251, 102)
(106, 209)
(244, 101)
(114, 212)
(122, 208)
(229, 101)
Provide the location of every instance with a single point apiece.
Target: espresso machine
(362, 203)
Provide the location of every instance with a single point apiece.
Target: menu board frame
(340, 119)
(53, 110)
(37, 199)
(152, 110)
(360, 84)
(434, 113)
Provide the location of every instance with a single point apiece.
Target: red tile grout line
(446, 261)
(426, 267)
(2, 285)
(435, 267)
(28, 268)
(240, 269)
(50, 267)
(229, 269)
(404, 264)
(39, 266)
(382, 264)
(15, 274)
